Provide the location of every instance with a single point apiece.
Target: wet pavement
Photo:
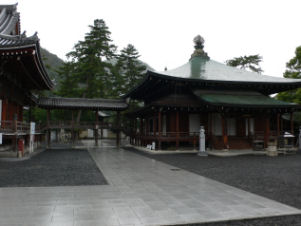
(141, 191)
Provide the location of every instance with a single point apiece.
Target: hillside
(52, 63)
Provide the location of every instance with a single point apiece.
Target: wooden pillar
(210, 130)
(154, 125)
(292, 122)
(48, 128)
(72, 127)
(147, 126)
(278, 125)
(177, 130)
(141, 131)
(224, 132)
(30, 114)
(135, 131)
(96, 128)
(118, 129)
(266, 132)
(159, 130)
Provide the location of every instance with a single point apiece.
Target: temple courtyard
(110, 186)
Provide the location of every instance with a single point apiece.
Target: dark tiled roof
(9, 18)
(82, 103)
(9, 41)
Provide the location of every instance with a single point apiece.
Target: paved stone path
(141, 191)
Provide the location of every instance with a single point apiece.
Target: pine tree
(131, 71)
(88, 72)
(246, 62)
(90, 62)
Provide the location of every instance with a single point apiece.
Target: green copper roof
(235, 98)
(203, 68)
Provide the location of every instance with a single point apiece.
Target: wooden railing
(80, 125)
(14, 126)
(172, 134)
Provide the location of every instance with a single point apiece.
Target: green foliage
(52, 63)
(246, 62)
(293, 71)
(87, 73)
(294, 65)
(128, 71)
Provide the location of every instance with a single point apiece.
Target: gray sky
(163, 30)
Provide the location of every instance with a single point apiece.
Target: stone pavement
(141, 191)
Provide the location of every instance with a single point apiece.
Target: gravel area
(53, 167)
(277, 178)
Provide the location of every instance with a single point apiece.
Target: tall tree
(247, 62)
(293, 70)
(130, 71)
(87, 74)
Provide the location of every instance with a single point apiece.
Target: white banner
(0, 138)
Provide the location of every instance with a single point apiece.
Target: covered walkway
(79, 104)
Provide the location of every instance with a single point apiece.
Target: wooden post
(249, 129)
(266, 132)
(177, 130)
(96, 128)
(224, 131)
(292, 123)
(118, 129)
(210, 144)
(135, 131)
(159, 130)
(29, 114)
(278, 125)
(48, 128)
(72, 127)
(141, 131)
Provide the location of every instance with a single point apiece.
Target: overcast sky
(163, 30)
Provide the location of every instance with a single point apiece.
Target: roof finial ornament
(199, 48)
(198, 42)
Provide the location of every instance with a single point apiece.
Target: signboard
(0, 138)
(32, 127)
(31, 137)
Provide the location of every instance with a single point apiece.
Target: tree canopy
(130, 70)
(293, 70)
(88, 71)
(250, 62)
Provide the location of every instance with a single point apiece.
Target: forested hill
(52, 63)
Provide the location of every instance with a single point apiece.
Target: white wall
(194, 123)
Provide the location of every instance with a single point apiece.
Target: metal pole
(202, 149)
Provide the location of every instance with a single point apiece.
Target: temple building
(232, 104)
(21, 73)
